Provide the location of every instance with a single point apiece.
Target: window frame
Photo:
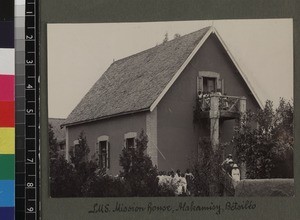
(130, 135)
(75, 143)
(219, 82)
(103, 138)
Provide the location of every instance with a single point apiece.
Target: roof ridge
(57, 118)
(160, 45)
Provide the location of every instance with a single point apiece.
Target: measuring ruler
(27, 182)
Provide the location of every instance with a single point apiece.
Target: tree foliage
(177, 35)
(67, 179)
(138, 170)
(103, 185)
(166, 38)
(81, 151)
(207, 169)
(265, 140)
(63, 179)
(53, 145)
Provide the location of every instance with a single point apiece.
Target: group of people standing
(181, 181)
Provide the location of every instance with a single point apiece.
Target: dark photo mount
(7, 10)
(93, 208)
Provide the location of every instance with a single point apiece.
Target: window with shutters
(209, 82)
(103, 151)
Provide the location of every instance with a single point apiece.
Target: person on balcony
(200, 95)
(206, 101)
(225, 101)
(218, 93)
(200, 100)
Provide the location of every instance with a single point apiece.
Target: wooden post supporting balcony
(242, 108)
(242, 105)
(214, 115)
(216, 106)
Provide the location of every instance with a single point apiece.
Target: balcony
(221, 106)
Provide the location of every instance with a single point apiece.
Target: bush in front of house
(103, 185)
(166, 189)
(80, 152)
(68, 181)
(67, 178)
(138, 171)
(207, 171)
(63, 179)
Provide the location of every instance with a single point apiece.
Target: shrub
(63, 179)
(105, 186)
(53, 145)
(207, 170)
(138, 170)
(166, 189)
(68, 178)
(81, 151)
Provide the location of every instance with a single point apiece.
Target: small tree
(265, 140)
(81, 151)
(84, 169)
(74, 173)
(53, 145)
(138, 170)
(166, 38)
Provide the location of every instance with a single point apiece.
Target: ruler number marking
(30, 110)
(30, 160)
(31, 209)
(29, 37)
(29, 61)
(30, 185)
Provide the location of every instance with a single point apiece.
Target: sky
(78, 54)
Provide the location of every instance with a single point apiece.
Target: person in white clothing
(183, 184)
(235, 173)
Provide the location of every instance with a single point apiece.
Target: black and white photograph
(171, 109)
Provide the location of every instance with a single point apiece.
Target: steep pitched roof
(138, 82)
(134, 83)
(59, 133)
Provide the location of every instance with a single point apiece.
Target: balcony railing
(231, 106)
